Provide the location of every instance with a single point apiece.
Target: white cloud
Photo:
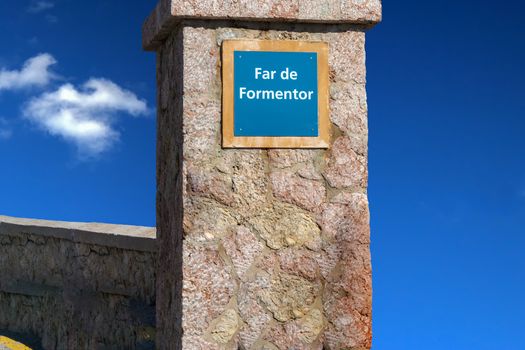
(5, 134)
(33, 41)
(5, 130)
(84, 116)
(35, 72)
(39, 6)
(51, 19)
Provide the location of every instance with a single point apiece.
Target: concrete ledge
(28, 288)
(168, 13)
(127, 237)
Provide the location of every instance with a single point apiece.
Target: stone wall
(273, 245)
(77, 286)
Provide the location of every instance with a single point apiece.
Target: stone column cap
(168, 13)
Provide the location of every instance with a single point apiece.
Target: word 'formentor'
(275, 94)
(286, 74)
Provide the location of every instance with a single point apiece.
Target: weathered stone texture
(284, 225)
(275, 242)
(206, 278)
(171, 187)
(169, 13)
(345, 168)
(241, 247)
(291, 188)
(71, 293)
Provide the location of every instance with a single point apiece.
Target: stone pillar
(260, 248)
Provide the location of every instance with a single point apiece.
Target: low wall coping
(128, 237)
(168, 13)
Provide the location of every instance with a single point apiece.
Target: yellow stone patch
(10, 344)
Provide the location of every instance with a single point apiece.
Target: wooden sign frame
(229, 140)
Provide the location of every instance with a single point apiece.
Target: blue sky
(103, 170)
(447, 174)
(447, 170)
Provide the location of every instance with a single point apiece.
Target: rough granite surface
(168, 13)
(272, 246)
(61, 284)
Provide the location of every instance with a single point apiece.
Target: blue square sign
(275, 93)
